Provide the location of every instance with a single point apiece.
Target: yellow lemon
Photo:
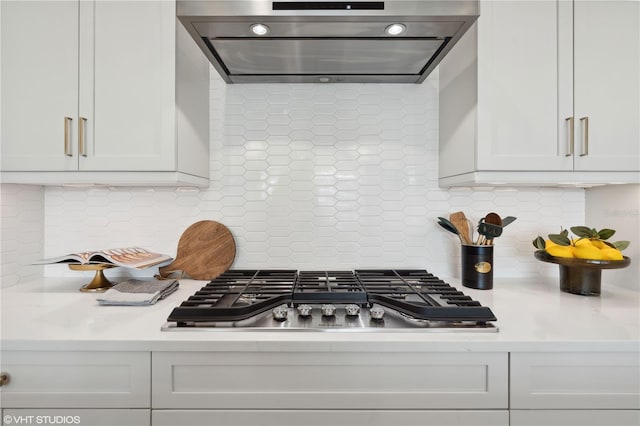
(599, 244)
(582, 242)
(560, 251)
(549, 243)
(610, 253)
(587, 251)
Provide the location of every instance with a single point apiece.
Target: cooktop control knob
(305, 310)
(376, 313)
(352, 310)
(328, 310)
(280, 312)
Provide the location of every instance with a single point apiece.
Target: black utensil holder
(477, 267)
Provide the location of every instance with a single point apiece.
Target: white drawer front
(575, 417)
(76, 379)
(79, 417)
(329, 380)
(604, 380)
(328, 417)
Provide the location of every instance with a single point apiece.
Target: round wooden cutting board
(206, 249)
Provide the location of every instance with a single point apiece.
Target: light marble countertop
(533, 315)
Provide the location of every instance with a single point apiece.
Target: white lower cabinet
(575, 389)
(575, 380)
(328, 417)
(575, 418)
(64, 379)
(314, 388)
(330, 380)
(80, 417)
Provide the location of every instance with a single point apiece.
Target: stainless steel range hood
(390, 41)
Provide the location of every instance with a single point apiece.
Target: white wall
(21, 232)
(317, 176)
(618, 207)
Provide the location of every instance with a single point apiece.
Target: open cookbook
(129, 257)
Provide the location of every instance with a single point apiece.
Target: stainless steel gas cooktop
(360, 300)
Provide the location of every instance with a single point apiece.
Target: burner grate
(419, 294)
(328, 287)
(236, 295)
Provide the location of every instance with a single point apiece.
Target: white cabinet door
(127, 85)
(314, 380)
(607, 85)
(575, 417)
(575, 380)
(76, 379)
(39, 85)
(499, 91)
(518, 81)
(329, 417)
(79, 417)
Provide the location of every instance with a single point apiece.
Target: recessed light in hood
(395, 29)
(392, 41)
(259, 29)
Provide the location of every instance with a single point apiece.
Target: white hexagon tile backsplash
(317, 176)
(21, 230)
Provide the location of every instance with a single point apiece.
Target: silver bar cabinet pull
(82, 147)
(585, 136)
(570, 137)
(67, 137)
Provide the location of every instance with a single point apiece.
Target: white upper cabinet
(107, 92)
(127, 91)
(607, 85)
(518, 83)
(39, 85)
(515, 107)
